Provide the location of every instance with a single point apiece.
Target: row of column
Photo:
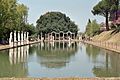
(56, 46)
(18, 38)
(40, 37)
(57, 36)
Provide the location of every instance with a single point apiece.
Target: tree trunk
(117, 5)
(107, 25)
(116, 15)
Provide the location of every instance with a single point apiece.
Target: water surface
(63, 59)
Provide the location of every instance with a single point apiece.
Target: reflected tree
(92, 52)
(111, 67)
(55, 57)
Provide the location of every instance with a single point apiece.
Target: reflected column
(18, 54)
(27, 51)
(42, 45)
(15, 55)
(22, 53)
(11, 56)
(59, 36)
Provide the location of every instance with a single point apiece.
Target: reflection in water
(108, 65)
(55, 55)
(12, 62)
(59, 59)
(18, 55)
(111, 68)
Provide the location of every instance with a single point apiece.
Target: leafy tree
(22, 13)
(103, 8)
(92, 28)
(30, 28)
(55, 21)
(115, 7)
(7, 18)
(13, 16)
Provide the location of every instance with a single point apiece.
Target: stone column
(18, 38)
(27, 37)
(53, 38)
(15, 41)
(69, 44)
(63, 36)
(10, 40)
(22, 38)
(41, 37)
(59, 36)
(45, 36)
(74, 36)
(48, 37)
(69, 38)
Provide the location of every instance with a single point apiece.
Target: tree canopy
(55, 21)
(92, 28)
(103, 8)
(13, 16)
(106, 8)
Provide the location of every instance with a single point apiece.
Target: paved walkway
(2, 47)
(60, 78)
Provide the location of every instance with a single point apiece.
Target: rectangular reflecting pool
(59, 59)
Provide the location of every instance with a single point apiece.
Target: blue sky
(78, 10)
